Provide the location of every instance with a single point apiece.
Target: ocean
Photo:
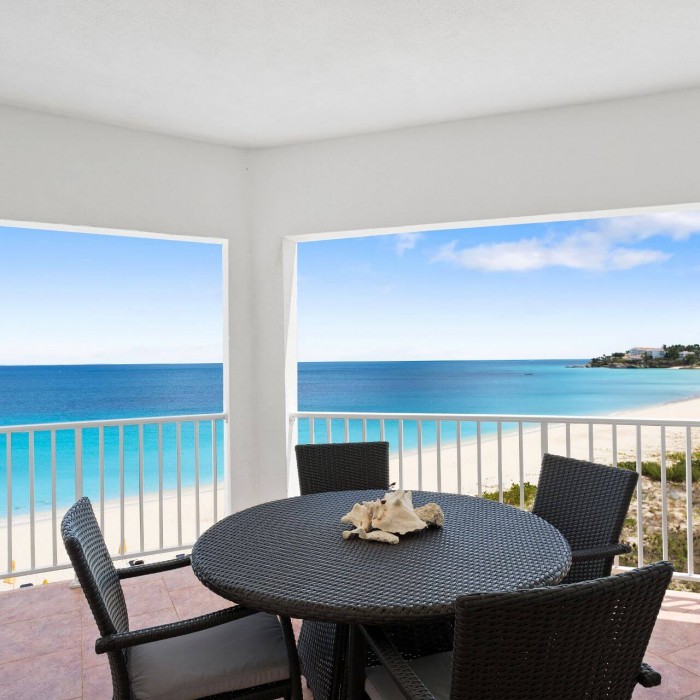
(31, 395)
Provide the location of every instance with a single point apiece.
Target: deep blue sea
(78, 393)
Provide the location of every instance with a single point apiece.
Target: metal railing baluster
(141, 516)
(54, 523)
(196, 478)
(640, 512)
(400, 453)
(160, 485)
(521, 464)
(438, 428)
(214, 469)
(32, 522)
(8, 469)
(689, 500)
(664, 496)
(178, 439)
(459, 456)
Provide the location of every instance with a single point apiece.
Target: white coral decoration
(384, 519)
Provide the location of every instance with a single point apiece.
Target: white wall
(605, 156)
(70, 172)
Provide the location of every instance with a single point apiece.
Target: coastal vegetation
(682, 356)
(652, 512)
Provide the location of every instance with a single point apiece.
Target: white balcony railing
(155, 484)
(499, 456)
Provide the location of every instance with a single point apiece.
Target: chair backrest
(587, 503)
(94, 568)
(343, 466)
(581, 640)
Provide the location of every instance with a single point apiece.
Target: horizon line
(300, 362)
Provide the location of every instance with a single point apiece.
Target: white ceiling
(268, 72)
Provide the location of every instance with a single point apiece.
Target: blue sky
(71, 298)
(555, 290)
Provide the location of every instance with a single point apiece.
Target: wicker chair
(232, 653)
(581, 640)
(587, 503)
(334, 467)
(343, 466)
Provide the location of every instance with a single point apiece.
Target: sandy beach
(450, 478)
(579, 448)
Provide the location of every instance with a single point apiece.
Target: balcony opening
(111, 386)
(475, 351)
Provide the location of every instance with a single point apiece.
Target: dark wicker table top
(288, 557)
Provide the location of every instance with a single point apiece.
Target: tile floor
(47, 637)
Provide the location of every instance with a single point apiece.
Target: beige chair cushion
(435, 671)
(236, 655)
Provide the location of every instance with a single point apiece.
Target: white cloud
(406, 241)
(678, 226)
(603, 245)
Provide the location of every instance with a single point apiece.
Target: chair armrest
(603, 552)
(397, 667)
(123, 640)
(648, 677)
(156, 567)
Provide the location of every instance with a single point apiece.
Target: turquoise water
(525, 387)
(31, 395)
(482, 386)
(79, 393)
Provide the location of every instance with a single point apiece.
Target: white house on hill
(640, 352)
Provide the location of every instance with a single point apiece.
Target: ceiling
(257, 73)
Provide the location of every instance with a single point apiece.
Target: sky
(74, 298)
(575, 289)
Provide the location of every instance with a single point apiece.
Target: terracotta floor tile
(42, 655)
(676, 682)
(688, 658)
(196, 600)
(151, 619)
(89, 634)
(180, 578)
(38, 601)
(150, 595)
(672, 635)
(97, 683)
(56, 676)
(140, 580)
(27, 638)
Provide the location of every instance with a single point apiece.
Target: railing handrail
(498, 418)
(111, 422)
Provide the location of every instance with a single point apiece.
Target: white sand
(449, 481)
(579, 447)
(43, 531)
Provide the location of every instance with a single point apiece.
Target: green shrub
(653, 550)
(652, 470)
(511, 495)
(675, 467)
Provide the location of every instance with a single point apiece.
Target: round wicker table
(288, 557)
